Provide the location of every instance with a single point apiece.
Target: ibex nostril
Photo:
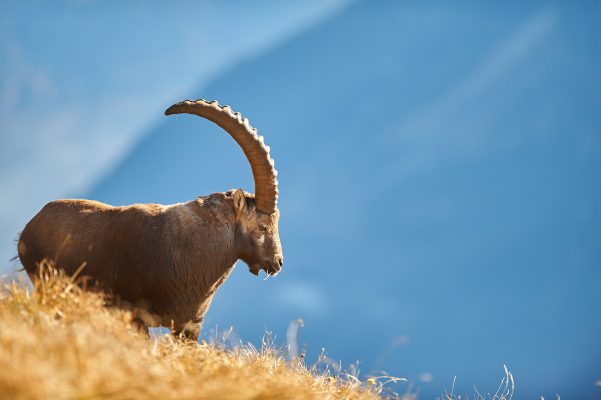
(280, 261)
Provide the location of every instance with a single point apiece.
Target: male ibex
(171, 258)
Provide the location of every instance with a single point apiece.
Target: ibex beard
(168, 259)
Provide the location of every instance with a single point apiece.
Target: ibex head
(257, 235)
(257, 217)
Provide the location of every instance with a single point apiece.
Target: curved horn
(257, 153)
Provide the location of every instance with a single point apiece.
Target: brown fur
(171, 259)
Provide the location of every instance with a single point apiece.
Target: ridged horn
(257, 153)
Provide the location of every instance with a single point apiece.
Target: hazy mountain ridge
(467, 156)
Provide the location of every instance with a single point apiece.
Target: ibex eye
(263, 227)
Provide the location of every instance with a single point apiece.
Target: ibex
(172, 258)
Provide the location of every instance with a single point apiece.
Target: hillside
(439, 193)
(60, 342)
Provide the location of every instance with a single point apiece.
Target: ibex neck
(213, 237)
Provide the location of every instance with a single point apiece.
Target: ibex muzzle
(170, 258)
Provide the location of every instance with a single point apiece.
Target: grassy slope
(60, 342)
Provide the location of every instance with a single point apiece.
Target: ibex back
(170, 259)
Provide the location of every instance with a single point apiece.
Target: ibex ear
(239, 200)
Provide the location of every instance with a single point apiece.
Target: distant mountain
(439, 170)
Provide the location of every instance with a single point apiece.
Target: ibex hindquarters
(171, 259)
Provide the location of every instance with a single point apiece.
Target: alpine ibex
(172, 258)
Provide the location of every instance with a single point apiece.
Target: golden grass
(59, 342)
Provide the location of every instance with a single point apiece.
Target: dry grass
(59, 342)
